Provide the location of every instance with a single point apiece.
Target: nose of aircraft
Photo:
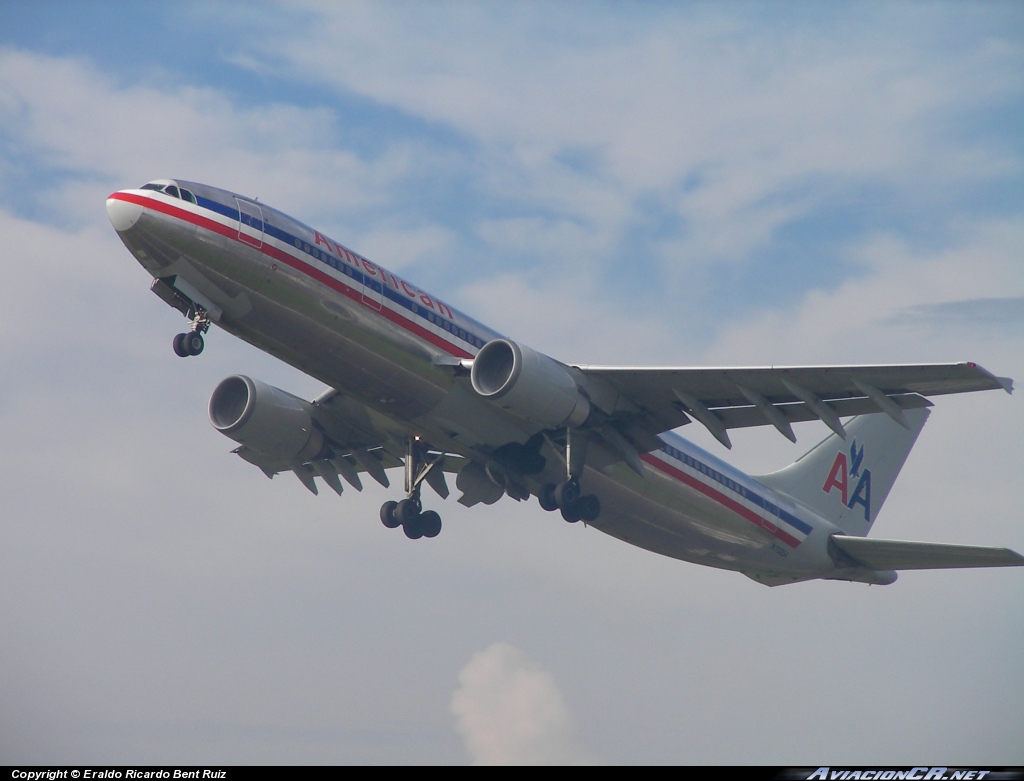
(122, 213)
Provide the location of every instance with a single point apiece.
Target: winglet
(1006, 383)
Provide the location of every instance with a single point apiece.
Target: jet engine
(266, 419)
(528, 384)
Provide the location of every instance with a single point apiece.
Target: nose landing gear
(191, 342)
(188, 344)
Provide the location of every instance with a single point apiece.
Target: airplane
(412, 382)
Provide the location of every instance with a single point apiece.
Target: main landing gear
(191, 343)
(565, 496)
(408, 513)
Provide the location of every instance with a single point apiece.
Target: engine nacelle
(528, 384)
(265, 418)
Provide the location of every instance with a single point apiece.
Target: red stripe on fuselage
(273, 252)
(721, 498)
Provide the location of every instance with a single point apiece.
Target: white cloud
(509, 711)
(659, 100)
(862, 320)
(63, 114)
(405, 245)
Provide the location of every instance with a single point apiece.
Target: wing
(657, 399)
(355, 443)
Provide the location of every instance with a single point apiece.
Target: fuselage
(401, 352)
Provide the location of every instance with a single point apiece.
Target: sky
(618, 183)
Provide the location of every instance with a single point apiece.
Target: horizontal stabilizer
(897, 554)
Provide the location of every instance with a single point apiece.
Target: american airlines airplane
(413, 382)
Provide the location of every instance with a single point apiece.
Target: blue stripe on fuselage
(304, 245)
(729, 482)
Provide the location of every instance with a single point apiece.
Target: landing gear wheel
(546, 497)
(588, 507)
(430, 523)
(567, 493)
(387, 515)
(193, 342)
(179, 346)
(413, 528)
(571, 513)
(407, 510)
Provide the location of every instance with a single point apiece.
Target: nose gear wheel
(191, 342)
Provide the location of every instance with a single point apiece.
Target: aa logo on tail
(844, 471)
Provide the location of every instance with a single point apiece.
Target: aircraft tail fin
(846, 481)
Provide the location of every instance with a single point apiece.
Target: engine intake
(528, 384)
(265, 418)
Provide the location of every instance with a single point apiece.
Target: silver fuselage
(394, 348)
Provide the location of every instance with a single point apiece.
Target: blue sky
(675, 184)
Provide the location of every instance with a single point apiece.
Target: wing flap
(898, 554)
(349, 462)
(744, 417)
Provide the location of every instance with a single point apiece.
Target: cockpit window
(169, 187)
